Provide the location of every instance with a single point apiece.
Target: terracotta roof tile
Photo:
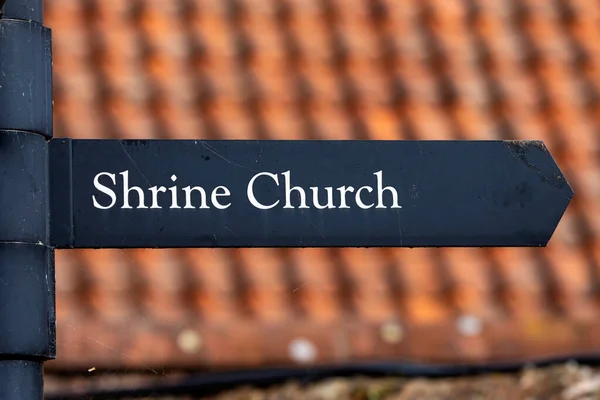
(333, 69)
(131, 121)
(473, 122)
(210, 269)
(309, 35)
(329, 122)
(368, 277)
(522, 288)
(108, 278)
(69, 287)
(263, 33)
(230, 120)
(573, 281)
(472, 282)
(273, 83)
(417, 269)
(594, 249)
(382, 123)
(315, 288)
(422, 287)
(317, 81)
(431, 122)
(161, 284)
(265, 283)
(211, 284)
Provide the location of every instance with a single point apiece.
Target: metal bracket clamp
(24, 188)
(27, 309)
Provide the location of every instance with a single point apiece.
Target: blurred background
(331, 69)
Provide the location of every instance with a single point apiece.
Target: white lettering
(188, 196)
(343, 190)
(216, 193)
(288, 192)
(380, 190)
(250, 191)
(329, 204)
(155, 191)
(105, 190)
(173, 190)
(127, 190)
(219, 197)
(359, 200)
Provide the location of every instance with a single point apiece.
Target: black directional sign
(152, 193)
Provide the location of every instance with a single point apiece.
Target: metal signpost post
(27, 319)
(63, 193)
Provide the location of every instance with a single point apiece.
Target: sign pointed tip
(539, 144)
(565, 185)
(569, 194)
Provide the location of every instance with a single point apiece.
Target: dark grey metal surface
(24, 205)
(27, 302)
(26, 78)
(451, 193)
(21, 379)
(28, 10)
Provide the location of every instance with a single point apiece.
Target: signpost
(63, 193)
(113, 193)
(27, 317)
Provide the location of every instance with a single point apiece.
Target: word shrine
(197, 197)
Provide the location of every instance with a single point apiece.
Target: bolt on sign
(63, 193)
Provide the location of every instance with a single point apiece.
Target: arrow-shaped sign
(154, 193)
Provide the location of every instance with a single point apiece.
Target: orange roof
(332, 69)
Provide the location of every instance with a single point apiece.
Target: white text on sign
(197, 197)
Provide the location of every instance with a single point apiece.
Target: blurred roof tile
(297, 69)
(281, 118)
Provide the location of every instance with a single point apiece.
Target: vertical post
(27, 308)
